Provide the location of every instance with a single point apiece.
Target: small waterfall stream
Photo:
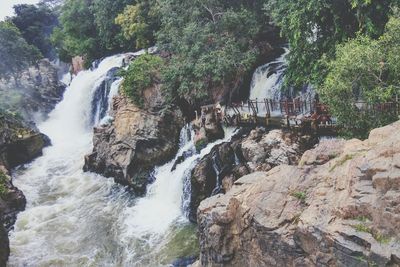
(74, 218)
(267, 79)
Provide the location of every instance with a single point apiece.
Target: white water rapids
(74, 218)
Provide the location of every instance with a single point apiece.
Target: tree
(15, 53)
(140, 22)
(77, 34)
(315, 27)
(36, 24)
(364, 69)
(110, 33)
(212, 44)
(141, 74)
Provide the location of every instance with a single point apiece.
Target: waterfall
(74, 218)
(267, 79)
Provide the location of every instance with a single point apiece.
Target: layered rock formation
(35, 93)
(19, 143)
(135, 142)
(259, 150)
(339, 207)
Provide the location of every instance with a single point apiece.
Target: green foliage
(88, 29)
(381, 238)
(77, 34)
(212, 43)
(3, 186)
(109, 33)
(141, 74)
(364, 69)
(342, 161)
(15, 53)
(302, 196)
(139, 22)
(36, 22)
(314, 28)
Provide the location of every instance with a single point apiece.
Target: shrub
(141, 73)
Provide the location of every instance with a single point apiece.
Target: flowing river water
(74, 218)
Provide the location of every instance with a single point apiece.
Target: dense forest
(347, 50)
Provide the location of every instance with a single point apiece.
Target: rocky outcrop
(35, 93)
(134, 143)
(259, 150)
(339, 207)
(19, 143)
(12, 201)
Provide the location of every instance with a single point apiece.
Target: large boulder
(259, 150)
(134, 143)
(19, 141)
(339, 207)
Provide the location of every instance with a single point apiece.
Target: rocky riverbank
(35, 93)
(248, 152)
(19, 143)
(338, 207)
(137, 140)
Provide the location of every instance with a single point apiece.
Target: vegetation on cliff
(15, 53)
(209, 47)
(367, 70)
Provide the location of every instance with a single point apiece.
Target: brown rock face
(19, 143)
(258, 151)
(136, 142)
(339, 207)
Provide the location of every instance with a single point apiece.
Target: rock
(136, 142)
(4, 246)
(35, 93)
(339, 209)
(258, 150)
(209, 132)
(19, 142)
(264, 150)
(78, 64)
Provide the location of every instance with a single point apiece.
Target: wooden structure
(301, 113)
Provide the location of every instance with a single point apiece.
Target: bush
(364, 70)
(141, 74)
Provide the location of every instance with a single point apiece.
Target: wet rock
(326, 211)
(19, 143)
(258, 150)
(4, 246)
(134, 143)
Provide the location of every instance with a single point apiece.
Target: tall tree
(36, 22)
(314, 28)
(15, 53)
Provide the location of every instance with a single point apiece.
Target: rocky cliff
(259, 150)
(35, 93)
(19, 143)
(340, 206)
(135, 142)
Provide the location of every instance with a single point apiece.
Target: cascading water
(82, 219)
(267, 79)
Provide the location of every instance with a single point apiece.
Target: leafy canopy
(15, 53)
(143, 72)
(364, 69)
(211, 43)
(315, 27)
(36, 22)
